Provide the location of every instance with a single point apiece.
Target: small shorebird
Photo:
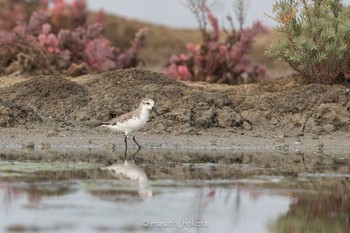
(133, 121)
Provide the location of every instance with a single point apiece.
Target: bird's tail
(97, 124)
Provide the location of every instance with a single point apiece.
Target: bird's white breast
(132, 124)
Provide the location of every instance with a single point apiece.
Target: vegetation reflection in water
(125, 199)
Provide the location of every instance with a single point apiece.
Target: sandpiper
(133, 121)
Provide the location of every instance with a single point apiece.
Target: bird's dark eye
(148, 103)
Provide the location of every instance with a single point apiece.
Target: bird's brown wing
(121, 118)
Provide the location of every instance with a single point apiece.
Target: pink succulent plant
(51, 47)
(216, 61)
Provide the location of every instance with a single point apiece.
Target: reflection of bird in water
(133, 121)
(130, 171)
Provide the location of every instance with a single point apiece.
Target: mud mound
(184, 108)
(11, 115)
(116, 92)
(302, 108)
(285, 106)
(52, 99)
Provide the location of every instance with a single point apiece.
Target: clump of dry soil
(42, 99)
(285, 105)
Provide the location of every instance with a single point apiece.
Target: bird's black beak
(154, 109)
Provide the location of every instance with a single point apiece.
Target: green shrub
(315, 38)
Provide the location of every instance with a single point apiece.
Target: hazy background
(174, 13)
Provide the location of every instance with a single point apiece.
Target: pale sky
(175, 14)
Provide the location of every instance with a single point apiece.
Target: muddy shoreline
(288, 156)
(219, 140)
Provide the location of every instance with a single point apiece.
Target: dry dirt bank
(280, 108)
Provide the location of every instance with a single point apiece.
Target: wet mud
(244, 155)
(199, 158)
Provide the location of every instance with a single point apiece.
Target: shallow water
(162, 196)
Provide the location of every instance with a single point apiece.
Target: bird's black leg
(133, 156)
(126, 146)
(133, 138)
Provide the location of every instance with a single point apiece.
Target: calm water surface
(146, 197)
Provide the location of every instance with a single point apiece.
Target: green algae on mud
(33, 166)
(165, 164)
